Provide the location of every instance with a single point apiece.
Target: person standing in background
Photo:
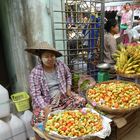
(126, 21)
(126, 15)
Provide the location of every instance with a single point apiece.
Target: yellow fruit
(130, 72)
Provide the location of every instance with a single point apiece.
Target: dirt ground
(135, 133)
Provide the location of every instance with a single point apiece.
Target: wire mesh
(82, 34)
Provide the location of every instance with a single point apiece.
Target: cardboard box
(122, 125)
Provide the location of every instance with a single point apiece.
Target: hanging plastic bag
(85, 82)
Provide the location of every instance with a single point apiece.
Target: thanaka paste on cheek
(44, 60)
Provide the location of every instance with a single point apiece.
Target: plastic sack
(85, 82)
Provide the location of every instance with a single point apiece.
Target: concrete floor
(135, 133)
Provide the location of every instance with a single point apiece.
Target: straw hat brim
(37, 51)
(41, 47)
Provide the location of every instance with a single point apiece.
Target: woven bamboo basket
(46, 136)
(110, 110)
(53, 136)
(129, 75)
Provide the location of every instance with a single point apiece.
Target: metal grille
(82, 31)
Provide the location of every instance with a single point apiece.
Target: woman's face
(48, 59)
(127, 7)
(115, 29)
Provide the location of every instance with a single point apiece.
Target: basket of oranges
(77, 124)
(114, 96)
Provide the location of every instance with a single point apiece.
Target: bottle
(26, 118)
(4, 102)
(17, 127)
(5, 132)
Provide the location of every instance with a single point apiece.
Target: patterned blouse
(126, 17)
(39, 90)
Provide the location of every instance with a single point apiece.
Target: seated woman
(110, 44)
(50, 82)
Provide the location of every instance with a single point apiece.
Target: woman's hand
(69, 94)
(47, 110)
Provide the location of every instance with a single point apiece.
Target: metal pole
(52, 21)
(63, 31)
(132, 13)
(102, 29)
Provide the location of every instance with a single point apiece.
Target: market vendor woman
(50, 81)
(110, 44)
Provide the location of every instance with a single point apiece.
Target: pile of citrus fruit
(74, 123)
(115, 95)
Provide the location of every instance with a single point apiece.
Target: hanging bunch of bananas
(127, 59)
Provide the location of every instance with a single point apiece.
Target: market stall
(83, 50)
(120, 104)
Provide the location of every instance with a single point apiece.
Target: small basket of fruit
(115, 97)
(77, 124)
